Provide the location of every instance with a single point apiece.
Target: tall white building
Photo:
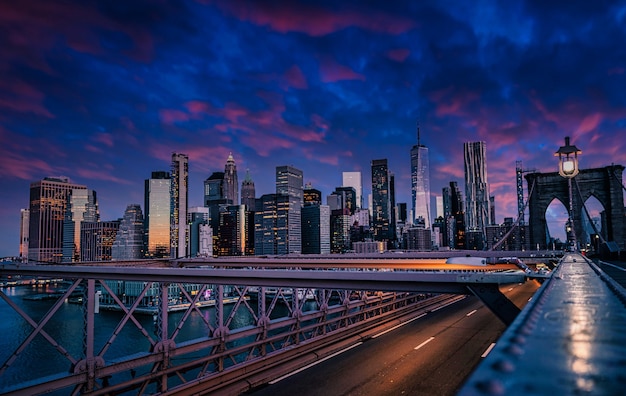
(354, 180)
(420, 183)
(179, 196)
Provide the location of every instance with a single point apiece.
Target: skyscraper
(381, 201)
(81, 206)
(315, 229)
(157, 215)
(199, 243)
(271, 224)
(353, 179)
(420, 182)
(24, 223)
(348, 198)
(476, 187)
(48, 204)
(236, 231)
(289, 182)
(248, 192)
(128, 243)
(312, 196)
(96, 240)
(231, 184)
(179, 195)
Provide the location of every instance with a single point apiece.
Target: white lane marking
(314, 363)
(488, 350)
(472, 313)
(424, 343)
(443, 306)
(400, 325)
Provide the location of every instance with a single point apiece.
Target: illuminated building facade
(381, 201)
(48, 205)
(81, 206)
(289, 182)
(157, 215)
(354, 180)
(420, 183)
(128, 243)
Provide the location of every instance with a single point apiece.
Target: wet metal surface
(570, 339)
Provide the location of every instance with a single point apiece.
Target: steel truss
(280, 320)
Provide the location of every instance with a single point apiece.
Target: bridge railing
(141, 334)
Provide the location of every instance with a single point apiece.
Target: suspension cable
(593, 225)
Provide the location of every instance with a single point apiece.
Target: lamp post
(568, 168)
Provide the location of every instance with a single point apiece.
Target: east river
(40, 359)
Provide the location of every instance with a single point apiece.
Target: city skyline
(103, 93)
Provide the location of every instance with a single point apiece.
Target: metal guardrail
(570, 339)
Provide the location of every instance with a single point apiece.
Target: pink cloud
(128, 124)
(100, 175)
(23, 98)
(197, 106)
(311, 153)
(294, 78)
(313, 20)
(450, 101)
(331, 71)
(172, 116)
(588, 124)
(451, 171)
(29, 23)
(398, 54)
(266, 130)
(104, 138)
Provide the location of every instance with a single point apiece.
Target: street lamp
(568, 168)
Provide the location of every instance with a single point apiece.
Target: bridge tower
(603, 183)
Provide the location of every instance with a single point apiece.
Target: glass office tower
(48, 205)
(354, 180)
(81, 206)
(381, 200)
(157, 215)
(289, 182)
(128, 243)
(420, 184)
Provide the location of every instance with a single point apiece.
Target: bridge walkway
(570, 339)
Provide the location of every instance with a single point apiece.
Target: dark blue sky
(104, 91)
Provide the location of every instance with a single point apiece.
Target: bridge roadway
(430, 355)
